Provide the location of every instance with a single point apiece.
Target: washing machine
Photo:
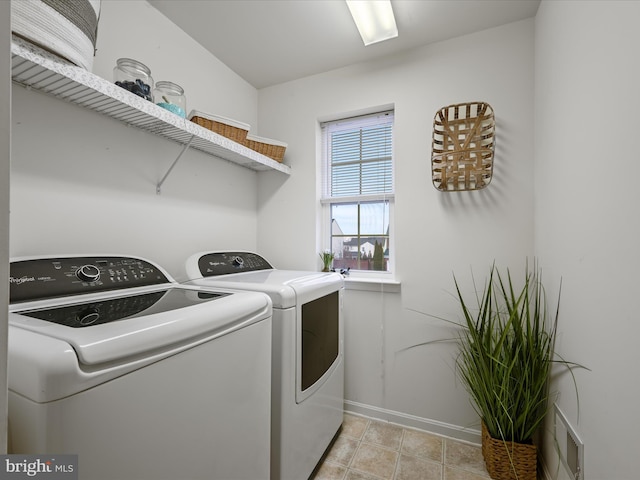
(142, 378)
(308, 359)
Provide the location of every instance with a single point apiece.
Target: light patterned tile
(422, 444)
(330, 471)
(465, 456)
(453, 473)
(353, 475)
(385, 434)
(375, 460)
(414, 468)
(342, 450)
(368, 449)
(354, 426)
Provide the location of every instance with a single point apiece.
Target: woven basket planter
(462, 147)
(508, 460)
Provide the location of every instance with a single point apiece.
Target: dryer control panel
(43, 278)
(224, 263)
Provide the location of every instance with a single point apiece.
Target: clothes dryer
(308, 359)
(111, 359)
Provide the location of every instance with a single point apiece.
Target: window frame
(327, 201)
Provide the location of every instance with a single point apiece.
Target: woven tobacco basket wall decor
(463, 146)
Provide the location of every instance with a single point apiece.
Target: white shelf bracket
(184, 149)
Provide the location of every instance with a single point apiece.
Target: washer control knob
(238, 261)
(88, 273)
(87, 317)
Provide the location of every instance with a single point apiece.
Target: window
(357, 191)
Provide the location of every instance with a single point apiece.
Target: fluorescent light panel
(374, 19)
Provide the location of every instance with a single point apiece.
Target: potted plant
(327, 259)
(507, 351)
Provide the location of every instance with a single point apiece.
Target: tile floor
(368, 449)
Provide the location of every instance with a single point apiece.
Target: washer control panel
(39, 279)
(224, 263)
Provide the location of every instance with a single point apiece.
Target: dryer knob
(88, 273)
(238, 261)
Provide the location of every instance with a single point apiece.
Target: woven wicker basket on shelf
(270, 148)
(232, 129)
(463, 147)
(508, 460)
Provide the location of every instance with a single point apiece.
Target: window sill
(381, 285)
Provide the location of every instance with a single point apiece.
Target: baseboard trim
(456, 432)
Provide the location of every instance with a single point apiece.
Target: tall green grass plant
(507, 350)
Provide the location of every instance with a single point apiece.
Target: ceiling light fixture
(374, 19)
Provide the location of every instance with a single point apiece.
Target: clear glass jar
(171, 96)
(134, 77)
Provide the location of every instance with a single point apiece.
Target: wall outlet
(570, 446)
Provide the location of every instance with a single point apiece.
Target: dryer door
(319, 341)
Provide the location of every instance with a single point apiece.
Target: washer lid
(181, 315)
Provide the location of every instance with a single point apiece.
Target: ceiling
(268, 42)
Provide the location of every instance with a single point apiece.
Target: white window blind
(358, 157)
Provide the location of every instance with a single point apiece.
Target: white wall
(586, 224)
(85, 183)
(437, 233)
(134, 29)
